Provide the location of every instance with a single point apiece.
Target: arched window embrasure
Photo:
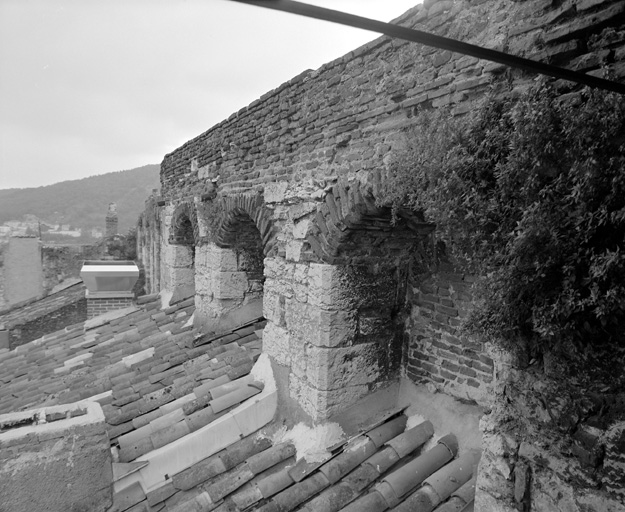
(182, 241)
(231, 292)
(344, 333)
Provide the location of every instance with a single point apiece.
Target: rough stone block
(299, 210)
(275, 192)
(223, 260)
(181, 276)
(300, 230)
(329, 288)
(229, 285)
(336, 368)
(273, 307)
(276, 343)
(294, 250)
(180, 256)
(321, 405)
(331, 328)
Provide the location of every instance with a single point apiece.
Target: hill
(83, 203)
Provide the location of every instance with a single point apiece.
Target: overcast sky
(95, 86)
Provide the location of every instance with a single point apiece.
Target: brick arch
(351, 228)
(245, 212)
(184, 226)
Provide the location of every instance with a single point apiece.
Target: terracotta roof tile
(161, 382)
(355, 478)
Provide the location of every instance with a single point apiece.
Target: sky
(95, 86)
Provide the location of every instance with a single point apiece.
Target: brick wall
(99, 306)
(437, 352)
(31, 320)
(60, 318)
(348, 115)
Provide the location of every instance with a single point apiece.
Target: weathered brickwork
(437, 351)
(301, 170)
(31, 320)
(57, 319)
(295, 179)
(100, 306)
(345, 116)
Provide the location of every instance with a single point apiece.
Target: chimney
(111, 220)
(109, 285)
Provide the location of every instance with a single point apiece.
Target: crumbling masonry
(274, 211)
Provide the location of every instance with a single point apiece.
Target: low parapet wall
(55, 459)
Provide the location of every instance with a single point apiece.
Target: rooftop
(190, 418)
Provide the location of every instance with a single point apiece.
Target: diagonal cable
(443, 43)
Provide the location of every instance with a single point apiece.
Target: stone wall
(333, 327)
(552, 445)
(3, 301)
(149, 234)
(303, 168)
(63, 453)
(62, 262)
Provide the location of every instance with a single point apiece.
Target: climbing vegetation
(529, 193)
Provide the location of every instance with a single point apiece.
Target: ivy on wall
(528, 192)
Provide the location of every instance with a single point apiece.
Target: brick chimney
(111, 220)
(109, 285)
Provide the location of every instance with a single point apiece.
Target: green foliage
(529, 193)
(84, 203)
(123, 247)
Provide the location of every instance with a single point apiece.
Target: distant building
(75, 233)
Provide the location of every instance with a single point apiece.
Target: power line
(443, 43)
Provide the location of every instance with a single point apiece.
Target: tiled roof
(35, 308)
(185, 410)
(133, 356)
(384, 468)
(157, 378)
